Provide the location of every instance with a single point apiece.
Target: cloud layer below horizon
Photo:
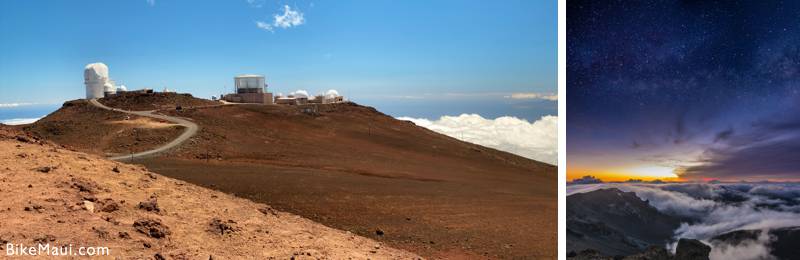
(718, 209)
(19, 121)
(534, 140)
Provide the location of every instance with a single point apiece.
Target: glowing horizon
(641, 172)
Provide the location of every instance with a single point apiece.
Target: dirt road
(191, 130)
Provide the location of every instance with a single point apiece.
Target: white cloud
(537, 140)
(712, 217)
(7, 105)
(151, 2)
(533, 95)
(748, 249)
(19, 121)
(289, 18)
(264, 25)
(255, 3)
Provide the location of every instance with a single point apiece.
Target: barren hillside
(52, 195)
(90, 129)
(155, 101)
(354, 168)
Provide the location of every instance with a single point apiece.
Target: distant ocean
(17, 114)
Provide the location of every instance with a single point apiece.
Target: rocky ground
(155, 101)
(83, 127)
(356, 169)
(614, 222)
(687, 249)
(52, 195)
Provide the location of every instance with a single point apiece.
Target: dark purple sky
(709, 89)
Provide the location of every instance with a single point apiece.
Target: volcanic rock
(151, 227)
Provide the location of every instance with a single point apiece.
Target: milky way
(712, 89)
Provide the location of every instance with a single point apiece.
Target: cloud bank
(533, 95)
(9, 105)
(716, 209)
(289, 18)
(19, 121)
(537, 140)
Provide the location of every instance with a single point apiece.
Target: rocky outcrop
(692, 249)
(615, 222)
(588, 254)
(652, 253)
(688, 249)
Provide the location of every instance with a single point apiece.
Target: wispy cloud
(533, 95)
(255, 3)
(19, 121)
(264, 25)
(8, 105)
(765, 149)
(289, 18)
(151, 2)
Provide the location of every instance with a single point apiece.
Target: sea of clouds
(718, 209)
(534, 140)
(19, 121)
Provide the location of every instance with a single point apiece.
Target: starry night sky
(710, 89)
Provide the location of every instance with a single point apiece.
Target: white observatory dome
(331, 93)
(95, 77)
(300, 94)
(109, 88)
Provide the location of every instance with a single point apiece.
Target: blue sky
(375, 52)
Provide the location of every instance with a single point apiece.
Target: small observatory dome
(109, 89)
(331, 94)
(95, 77)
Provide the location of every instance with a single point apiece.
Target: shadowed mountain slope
(615, 223)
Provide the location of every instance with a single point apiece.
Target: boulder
(692, 249)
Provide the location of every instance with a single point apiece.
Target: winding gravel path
(191, 130)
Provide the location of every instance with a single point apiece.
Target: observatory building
(249, 89)
(249, 83)
(301, 97)
(95, 77)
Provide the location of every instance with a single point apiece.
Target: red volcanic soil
(353, 168)
(62, 198)
(84, 127)
(154, 101)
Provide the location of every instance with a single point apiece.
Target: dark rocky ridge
(688, 249)
(615, 223)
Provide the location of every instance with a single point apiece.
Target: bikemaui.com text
(48, 250)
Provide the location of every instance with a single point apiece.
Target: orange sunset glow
(641, 172)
